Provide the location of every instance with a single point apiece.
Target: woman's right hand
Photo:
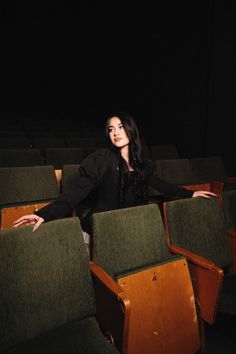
(29, 220)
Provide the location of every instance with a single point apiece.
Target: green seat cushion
(80, 337)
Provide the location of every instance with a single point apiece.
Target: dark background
(171, 65)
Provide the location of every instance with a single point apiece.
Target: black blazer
(100, 172)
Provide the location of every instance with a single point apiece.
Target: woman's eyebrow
(112, 126)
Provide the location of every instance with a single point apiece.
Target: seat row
(151, 285)
(46, 142)
(42, 183)
(73, 139)
(185, 172)
(49, 156)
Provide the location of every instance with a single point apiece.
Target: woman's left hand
(203, 194)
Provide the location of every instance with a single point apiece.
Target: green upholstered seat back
(229, 207)
(61, 156)
(27, 184)
(20, 157)
(198, 225)
(209, 168)
(176, 171)
(128, 238)
(44, 280)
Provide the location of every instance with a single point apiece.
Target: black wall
(170, 65)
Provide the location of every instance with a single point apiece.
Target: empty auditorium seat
(47, 300)
(24, 190)
(130, 251)
(20, 157)
(62, 156)
(196, 228)
(212, 169)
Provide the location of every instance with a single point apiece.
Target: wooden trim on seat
(58, 173)
(9, 215)
(112, 307)
(162, 306)
(231, 179)
(206, 277)
(198, 187)
(152, 302)
(232, 238)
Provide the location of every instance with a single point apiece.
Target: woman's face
(117, 133)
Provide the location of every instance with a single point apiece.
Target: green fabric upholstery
(198, 225)
(229, 207)
(62, 156)
(209, 168)
(81, 337)
(20, 157)
(177, 171)
(44, 280)
(27, 184)
(129, 237)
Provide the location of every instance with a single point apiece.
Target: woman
(118, 175)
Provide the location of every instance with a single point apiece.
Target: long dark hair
(136, 161)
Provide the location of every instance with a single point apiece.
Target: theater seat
(212, 168)
(130, 251)
(47, 302)
(20, 157)
(196, 228)
(23, 190)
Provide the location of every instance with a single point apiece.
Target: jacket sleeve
(162, 186)
(92, 171)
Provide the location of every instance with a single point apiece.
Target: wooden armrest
(108, 282)
(231, 233)
(232, 239)
(198, 187)
(10, 214)
(207, 281)
(58, 173)
(231, 179)
(217, 187)
(112, 307)
(193, 257)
